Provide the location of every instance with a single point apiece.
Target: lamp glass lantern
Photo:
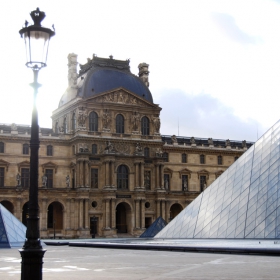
(36, 40)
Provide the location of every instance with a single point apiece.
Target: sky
(214, 65)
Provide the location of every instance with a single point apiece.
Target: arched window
(1, 147)
(94, 149)
(25, 149)
(202, 159)
(146, 152)
(122, 177)
(220, 160)
(49, 150)
(184, 158)
(119, 124)
(65, 125)
(73, 121)
(93, 121)
(145, 126)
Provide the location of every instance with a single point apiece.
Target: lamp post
(36, 40)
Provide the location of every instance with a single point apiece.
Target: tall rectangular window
(202, 183)
(25, 149)
(184, 158)
(202, 159)
(49, 174)
(220, 160)
(185, 183)
(25, 177)
(147, 179)
(2, 169)
(49, 150)
(94, 178)
(1, 147)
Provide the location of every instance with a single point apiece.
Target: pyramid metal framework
(12, 231)
(244, 202)
(154, 228)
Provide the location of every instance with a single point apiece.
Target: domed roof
(102, 75)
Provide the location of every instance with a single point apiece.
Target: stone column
(137, 213)
(142, 175)
(136, 175)
(107, 173)
(142, 213)
(86, 174)
(86, 213)
(81, 213)
(107, 209)
(77, 174)
(68, 213)
(157, 176)
(158, 208)
(113, 213)
(18, 209)
(64, 219)
(162, 176)
(81, 174)
(44, 214)
(113, 182)
(163, 209)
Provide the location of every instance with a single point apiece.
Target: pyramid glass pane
(12, 231)
(154, 228)
(243, 202)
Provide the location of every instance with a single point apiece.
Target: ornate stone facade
(108, 170)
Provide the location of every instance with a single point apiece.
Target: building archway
(123, 218)
(24, 213)
(55, 215)
(8, 205)
(175, 209)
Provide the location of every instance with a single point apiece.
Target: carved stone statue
(67, 181)
(82, 118)
(227, 143)
(109, 147)
(14, 126)
(83, 148)
(192, 140)
(44, 180)
(72, 69)
(138, 149)
(210, 141)
(156, 121)
(18, 177)
(159, 152)
(135, 119)
(185, 184)
(174, 139)
(244, 145)
(106, 118)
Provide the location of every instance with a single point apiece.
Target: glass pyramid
(12, 231)
(154, 228)
(244, 202)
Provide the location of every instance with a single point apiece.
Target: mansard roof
(100, 75)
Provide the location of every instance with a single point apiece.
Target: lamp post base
(32, 264)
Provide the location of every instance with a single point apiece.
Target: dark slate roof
(105, 74)
(204, 141)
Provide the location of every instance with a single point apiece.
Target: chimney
(72, 69)
(144, 73)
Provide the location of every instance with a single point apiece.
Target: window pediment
(49, 165)
(23, 164)
(4, 163)
(203, 172)
(185, 171)
(168, 171)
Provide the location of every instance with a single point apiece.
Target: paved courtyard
(65, 262)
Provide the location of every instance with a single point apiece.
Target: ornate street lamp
(36, 40)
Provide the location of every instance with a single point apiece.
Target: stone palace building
(104, 167)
